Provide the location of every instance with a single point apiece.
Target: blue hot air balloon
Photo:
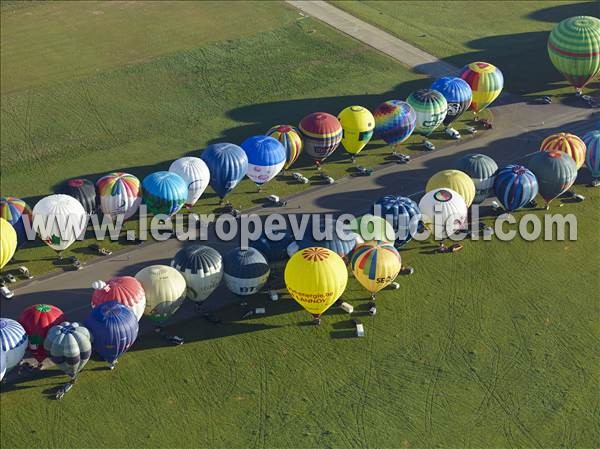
(13, 342)
(482, 170)
(458, 95)
(114, 328)
(266, 157)
(246, 271)
(275, 251)
(164, 192)
(227, 163)
(402, 213)
(395, 120)
(515, 186)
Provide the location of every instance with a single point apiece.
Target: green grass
(509, 34)
(492, 347)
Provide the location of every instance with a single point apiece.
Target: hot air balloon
(482, 170)
(114, 329)
(63, 220)
(13, 341)
(431, 108)
(120, 194)
(37, 321)
(83, 190)
(126, 290)
(555, 172)
(357, 125)
(202, 268)
(444, 211)
(458, 95)
(2, 363)
(395, 120)
(515, 186)
(290, 138)
(375, 265)
(14, 210)
(567, 143)
(275, 251)
(165, 291)
(455, 180)
(322, 133)
(266, 158)
(592, 155)
(574, 49)
(8, 242)
(316, 277)
(330, 240)
(486, 82)
(164, 192)
(227, 163)
(69, 347)
(402, 212)
(372, 227)
(196, 175)
(246, 271)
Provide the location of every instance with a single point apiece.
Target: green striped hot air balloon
(574, 49)
(431, 108)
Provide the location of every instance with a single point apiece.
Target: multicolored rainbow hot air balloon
(375, 265)
(120, 194)
(574, 49)
(431, 108)
(515, 186)
(567, 143)
(13, 210)
(289, 137)
(555, 172)
(395, 121)
(486, 82)
(322, 133)
(482, 170)
(456, 180)
(164, 192)
(358, 124)
(457, 93)
(592, 155)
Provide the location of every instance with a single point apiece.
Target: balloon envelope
(246, 271)
(196, 175)
(431, 108)
(323, 233)
(13, 342)
(291, 140)
(458, 95)
(8, 242)
(37, 320)
(402, 212)
(574, 49)
(357, 125)
(322, 133)
(202, 268)
(567, 143)
(592, 155)
(316, 277)
(164, 192)
(266, 157)
(165, 291)
(120, 194)
(372, 227)
(114, 329)
(482, 170)
(455, 180)
(14, 210)
(515, 186)
(555, 172)
(395, 121)
(275, 251)
(227, 164)
(69, 346)
(65, 220)
(2, 363)
(486, 82)
(375, 265)
(126, 290)
(83, 190)
(444, 211)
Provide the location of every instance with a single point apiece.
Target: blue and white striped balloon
(245, 271)
(13, 340)
(515, 186)
(458, 95)
(266, 157)
(402, 213)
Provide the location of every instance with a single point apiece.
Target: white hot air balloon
(59, 221)
(195, 173)
(13, 343)
(443, 211)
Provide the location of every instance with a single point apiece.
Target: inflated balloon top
(291, 140)
(574, 49)
(69, 346)
(322, 133)
(431, 108)
(202, 268)
(555, 172)
(453, 179)
(65, 220)
(402, 212)
(227, 163)
(8, 242)
(164, 192)
(592, 155)
(358, 124)
(127, 290)
(486, 82)
(375, 265)
(395, 121)
(567, 143)
(37, 320)
(245, 271)
(13, 210)
(195, 173)
(457, 93)
(515, 186)
(266, 157)
(13, 342)
(482, 170)
(444, 211)
(120, 194)
(165, 291)
(83, 190)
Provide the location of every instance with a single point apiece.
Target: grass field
(510, 34)
(492, 347)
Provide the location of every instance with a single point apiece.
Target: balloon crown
(43, 308)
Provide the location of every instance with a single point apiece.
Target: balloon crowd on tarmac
(315, 272)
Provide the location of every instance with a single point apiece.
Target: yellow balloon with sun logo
(358, 124)
(316, 277)
(455, 180)
(375, 265)
(8, 242)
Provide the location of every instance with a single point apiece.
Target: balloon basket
(64, 389)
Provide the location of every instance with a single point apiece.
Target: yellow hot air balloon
(358, 124)
(375, 265)
(567, 143)
(316, 277)
(455, 180)
(8, 242)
